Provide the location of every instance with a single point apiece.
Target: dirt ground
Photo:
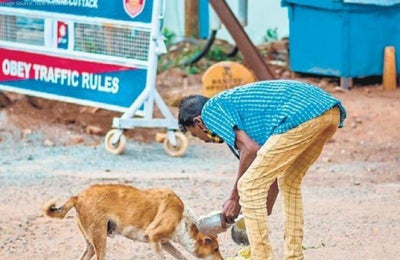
(50, 149)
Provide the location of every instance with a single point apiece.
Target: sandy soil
(351, 195)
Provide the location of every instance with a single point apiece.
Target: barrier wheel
(181, 147)
(115, 148)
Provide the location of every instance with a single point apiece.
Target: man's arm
(248, 152)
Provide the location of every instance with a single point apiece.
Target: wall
(263, 14)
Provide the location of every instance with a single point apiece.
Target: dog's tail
(50, 210)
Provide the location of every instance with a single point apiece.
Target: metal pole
(251, 55)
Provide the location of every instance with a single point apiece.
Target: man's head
(189, 118)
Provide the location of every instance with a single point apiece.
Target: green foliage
(177, 58)
(217, 53)
(191, 70)
(169, 36)
(180, 53)
(271, 35)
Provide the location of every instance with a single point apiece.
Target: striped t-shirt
(266, 108)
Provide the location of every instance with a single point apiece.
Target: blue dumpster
(344, 38)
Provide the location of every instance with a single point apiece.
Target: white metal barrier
(97, 53)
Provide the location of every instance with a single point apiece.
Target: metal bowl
(238, 232)
(211, 224)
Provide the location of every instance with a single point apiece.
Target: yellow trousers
(287, 157)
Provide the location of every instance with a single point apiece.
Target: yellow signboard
(224, 75)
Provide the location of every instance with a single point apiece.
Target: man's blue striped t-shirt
(266, 108)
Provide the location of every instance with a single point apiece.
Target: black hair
(189, 108)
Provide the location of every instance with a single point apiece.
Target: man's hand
(230, 212)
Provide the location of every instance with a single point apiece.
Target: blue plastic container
(338, 38)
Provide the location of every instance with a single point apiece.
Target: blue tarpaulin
(373, 2)
(324, 4)
(338, 4)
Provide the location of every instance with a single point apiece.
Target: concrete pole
(192, 18)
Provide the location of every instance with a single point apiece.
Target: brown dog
(156, 216)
